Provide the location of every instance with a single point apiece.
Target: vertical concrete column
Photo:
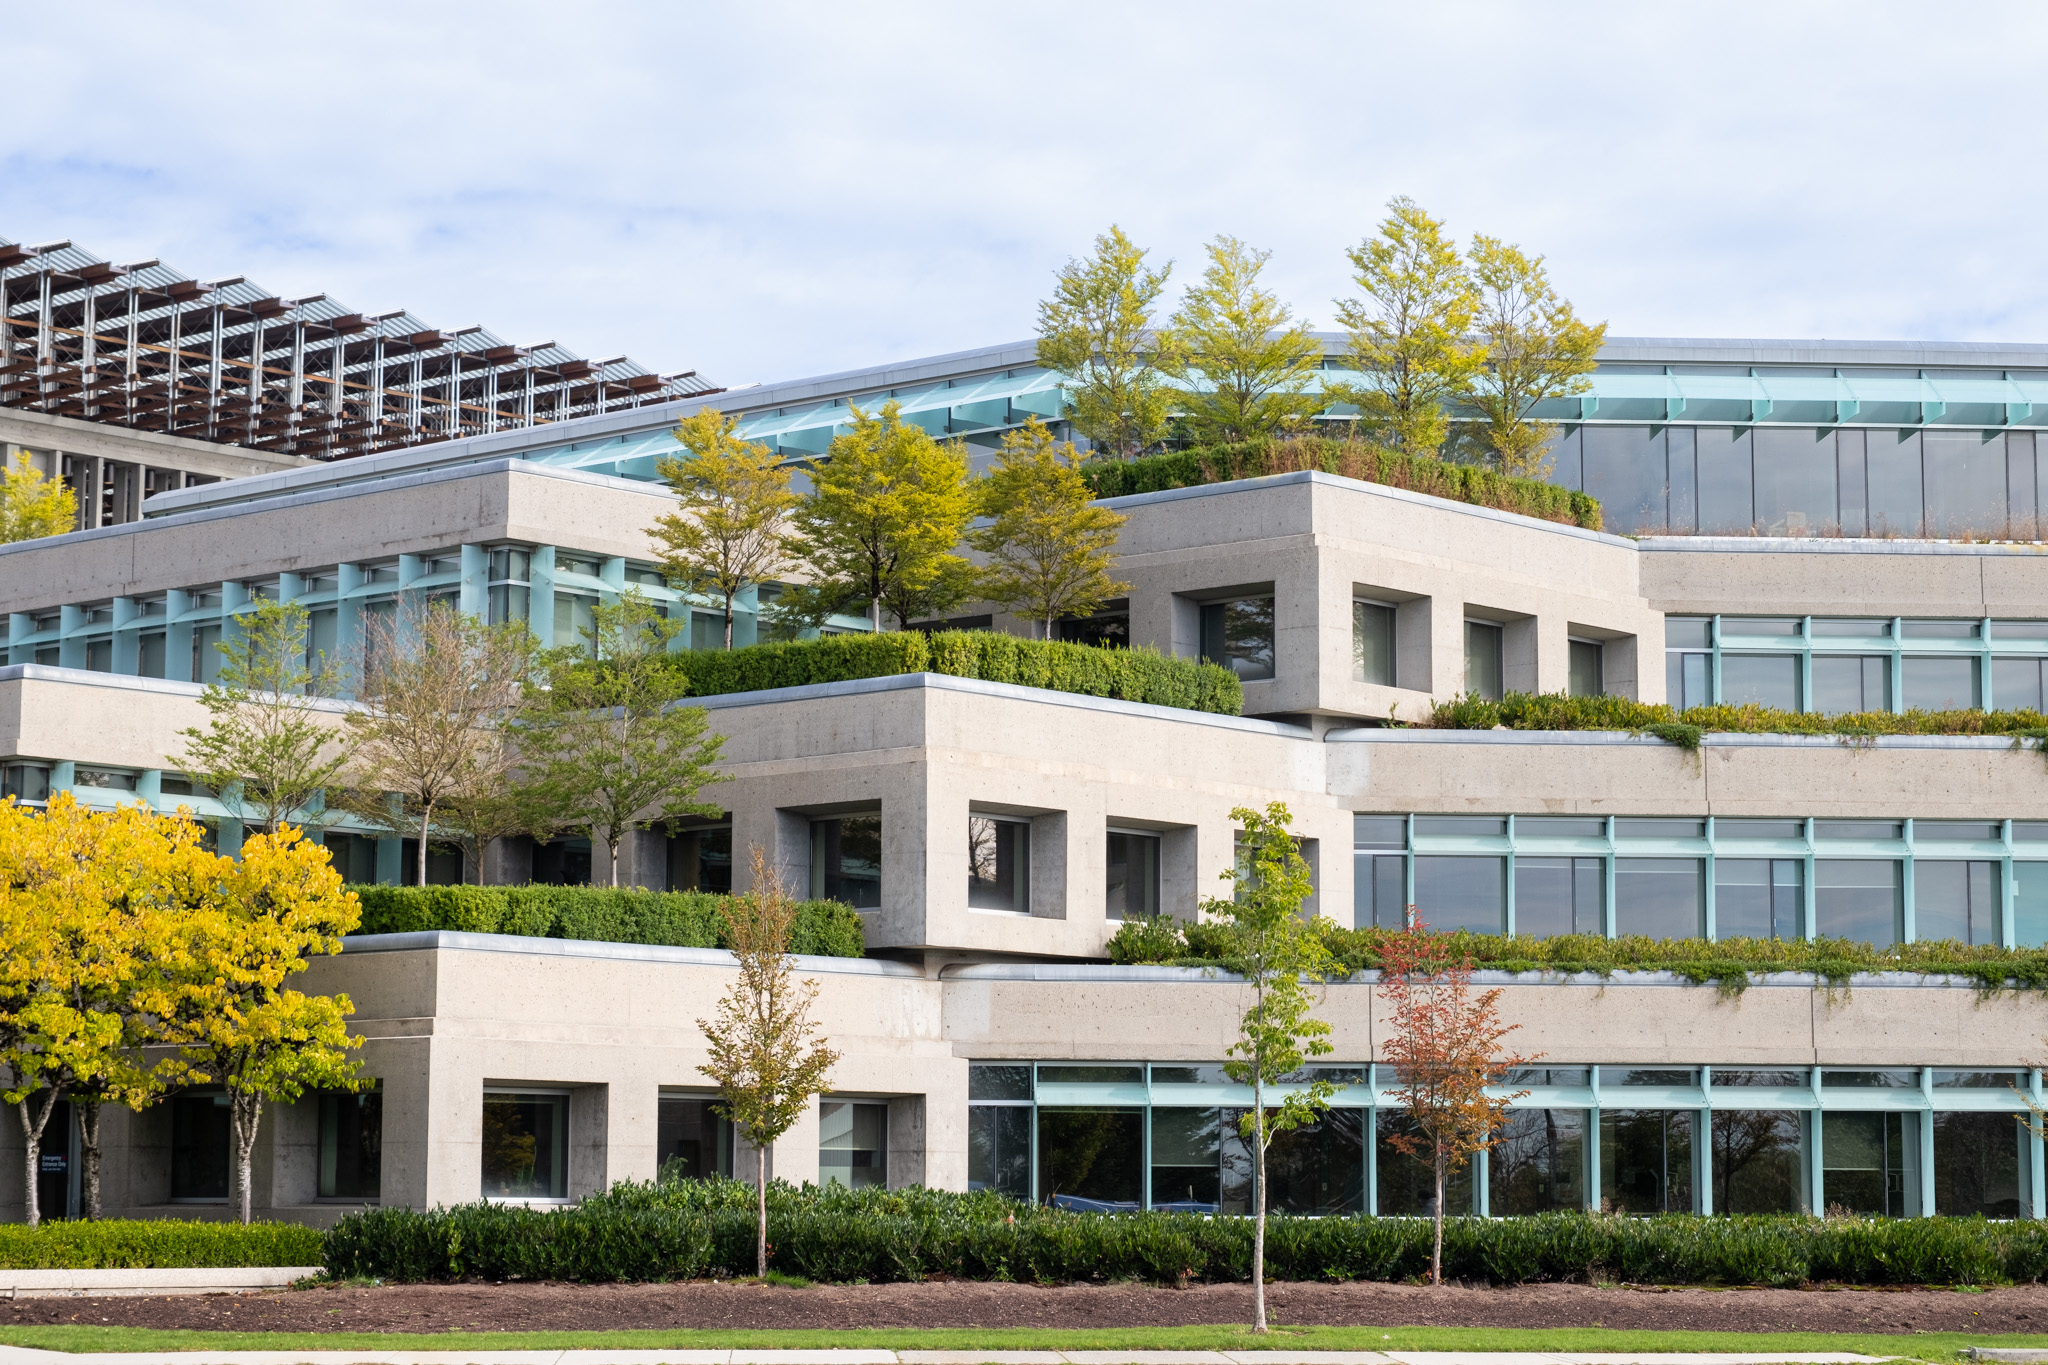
(632, 1126)
(795, 1155)
(944, 1126)
(1054, 893)
(906, 1157)
(1553, 653)
(411, 1124)
(1447, 645)
(590, 1140)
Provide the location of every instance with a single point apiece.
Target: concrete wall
(1779, 577)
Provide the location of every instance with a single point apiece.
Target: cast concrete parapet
(45, 1284)
(429, 940)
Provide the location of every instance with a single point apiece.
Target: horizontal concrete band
(29, 1284)
(16, 1355)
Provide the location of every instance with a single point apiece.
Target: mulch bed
(554, 1307)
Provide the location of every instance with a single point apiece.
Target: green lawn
(1933, 1346)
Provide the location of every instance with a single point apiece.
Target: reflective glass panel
(1845, 627)
(853, 1144)
(1091, 1160)
(846, 860)
(1846, 684)
(999, 1149)
(1759, 829)
(1795, 480)
(525, 1146)
(1869, 1163)
(1187, 1149)
(1379, 831)
(1407, 1184)
(1979, 1165)
(1646, 1161)
(351, 1146)
(1462, 893)
(1378, 890)
(1858, 899)
(1624, 468)
(1464, 825)
(2029, 904)
(1538, 1163)
(1559, 896)
(1939, 683)
(1964, 482)
(1132, 888)
(1770, 680)
(691, 1141)
(1315, 1170)
(999, 1081)
(1561, 826)
(1956, 900)
(1757, 1161)
(1892, 459)
(1659, 829)
(1585, 675)
(1372, 643)
(1483, 659)
(2016, 684)
(1759, 898)
(1724, 481)
(1238, 634)
(1659, 897)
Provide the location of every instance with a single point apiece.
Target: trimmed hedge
(155, 1244)
(1061, 666)
(1555, 711)
(675, 1232)
(1352, 460)
(1728, 963)
(679, 919)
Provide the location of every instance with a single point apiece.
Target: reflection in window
(1317, 1169)
(1238, 634)
(1759, 898)
(1858, 899)
(1132, 889)
(1870, 1163)
(1407, 1183)
(575, 620)
(1659, 897)
(691, 1140)
(1538, 1163)
(1372, 643)
(998, 864)
(200, 1145)
(1938, 683)
(1187, 1153)
(1559, 896)
(1090, 1160)
(1462, 893)
(1763, 679)
(2016, 684)
(1756, 1163)
(846, 860)
(1956, 900)
(1846, 684)
(701, 859)
(999, 1149)
(525, 1146)
(351, 1145)
(1981, 1166)
(2030, 905)
(1483, 659)
(1378, 891)
(853, 1143)
(1585, 676)
(1646, 1161)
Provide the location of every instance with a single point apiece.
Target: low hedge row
(680, 919)
(1730, 963)
(1128, 674)
(636, 1233)
(1352, 460)
(154, 1244)
(1554, 711)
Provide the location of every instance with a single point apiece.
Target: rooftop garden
(1555, 711)
(595, 914)
(1351, 459)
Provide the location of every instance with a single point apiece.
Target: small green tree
(32, 506)
(1096, 330)
(1051, 550)
(766, 1058)
(886, 510)
(605, 746)
(730, 530)
(1252, 359)
(1535, 349)
(1278, 954)
(1410, 331)
(267, 747)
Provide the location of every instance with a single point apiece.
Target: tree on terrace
(1096, 330)
(1535, 349)
(730, 530)
(1254, 359)
(1051, 550)
(32, 506)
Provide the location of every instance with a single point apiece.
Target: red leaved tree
(1444, 1046)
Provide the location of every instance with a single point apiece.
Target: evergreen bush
(602, 914)
(1359, 460)
(155, 1244)
(1555, 711)
(692, 1229)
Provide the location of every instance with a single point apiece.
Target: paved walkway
(17, 1355)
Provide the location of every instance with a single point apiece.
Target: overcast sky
(765, 191)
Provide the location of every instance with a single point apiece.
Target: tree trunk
(1258, 1206)
(426, 824)
(89, 1153)
(244, 1113)
(761, 1210)
(728, 621)
(32, 1149)
(1436, 1248)
(612, 849)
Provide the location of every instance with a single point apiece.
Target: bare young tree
(435, 689)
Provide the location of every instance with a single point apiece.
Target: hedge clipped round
(686, 1231)
(678, 919)
(156, 1244)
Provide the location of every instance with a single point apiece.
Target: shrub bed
(1352, 460)
(678, 919)
(155, 1244)
(1554, 711)
(651, 1233)
(1729, 963)
(1142, 675)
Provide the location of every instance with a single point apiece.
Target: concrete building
(986, 1040)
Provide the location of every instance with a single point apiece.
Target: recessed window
(1860, 899)
(846, 860)
(99, 655)
(998, 863)
(1372, 643)
(1769, 680)
(25, 781)
(351, 1146)
(1132, 890)
(150, 654)
(1848, 684)
(1938, 682)
(853, 1143)
(525, 1145)
(1660, 897)
(509, 563)
(1238, 634)
(200, 1145)
(691, 1140)
(109, 779)
(700, 859)
(1586, 677)
(1759, 898)
(1483, 673)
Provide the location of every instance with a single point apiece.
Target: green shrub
(1142, 675)
(680, 1231)
(155, 1244)
(681, 919)
(1555, 711)
(1348, 459)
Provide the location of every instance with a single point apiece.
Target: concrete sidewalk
(18, 1355)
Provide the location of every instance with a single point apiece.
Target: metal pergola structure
(146, 347)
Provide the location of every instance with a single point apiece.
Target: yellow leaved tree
(31, 505)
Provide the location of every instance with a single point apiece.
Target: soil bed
(572, 1307)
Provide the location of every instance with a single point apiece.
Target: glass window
(575, 619)
(1624, 468)
(2029, 904)
(1686, 680)
(107, 779)
(1646, 1161)
(1108, 628)
(1955, 831)
(1980, 1080)
(1796, 481)
(1726, 499)
(1238, 634)
(525, 1146)
(1759, 898)
(1464, 826)
(556, 862)
(1770, 680)
(1846, 684)
(1407, 1183)
(1097, 1074)
(707, 630)
(200, 1146)
(1659, 897)
(853, 1143)
(1939, 630)
(99, 655)
(1850, 628)
(508, 602)
(1187, 1148)
(1483, 659)
(2016, 684)
(1771, 627)
(1981, 1166)
(1538, 1163)
(150, 654)
(1687, 632)
(351, 1146)
(1561, 826)
(1462, 893)
(1132, 891)
(1965, 481)
(1372, 643)
(998, 864)
(1659, 829)
(1585, 677)
(1559, 896)
(205, 653)
(700, 859)
(1758, 1164)
(1316, 1170)
(691, 1140)
(846, 860)
(25, 781)
(1856, 829)
(1760, 829)
(1858, 899)
(1091, 1160)
(1956, 900)
(1892, 459)
(1939, 683)
(1744, 1077)
(1869, 1163)
(1203, 1073)
(510, 563)
(1379, 894)
(1578, 1076)
(2019, 630)
(999, 1149)
(1611, 1076)
(1379, 831)
(1894, 1078)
